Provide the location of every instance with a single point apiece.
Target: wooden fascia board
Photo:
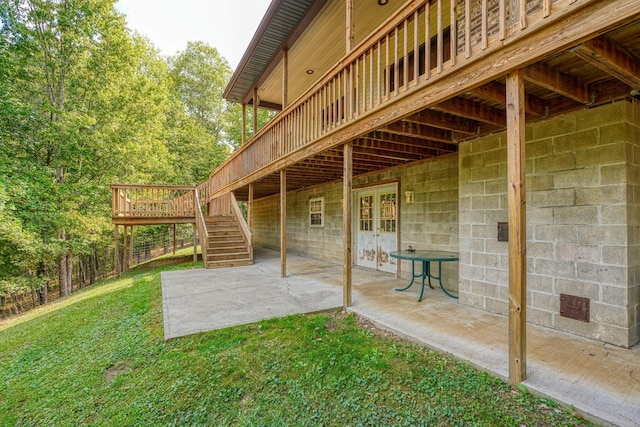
(563, 31)
(611, 58)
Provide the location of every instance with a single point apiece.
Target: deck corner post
(283, 223)
(347, 211)
(116, 250)
(516, 202)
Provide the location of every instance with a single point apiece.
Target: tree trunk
(70, 271)
(62, 276)
(43, 290)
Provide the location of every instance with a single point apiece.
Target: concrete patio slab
(601, 381)
(206, 299)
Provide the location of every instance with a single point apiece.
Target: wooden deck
(403, 97)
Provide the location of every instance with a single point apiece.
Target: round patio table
(426, 257)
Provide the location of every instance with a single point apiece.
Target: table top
(419, 255)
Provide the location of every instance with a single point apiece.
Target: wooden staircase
(227, 245)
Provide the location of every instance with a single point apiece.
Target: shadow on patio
(601, 381)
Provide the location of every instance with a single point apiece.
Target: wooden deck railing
(244, 227)
(201, 226)
(413, 47)
(152, 201)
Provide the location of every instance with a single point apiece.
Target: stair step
(227, 257)
(233, 263)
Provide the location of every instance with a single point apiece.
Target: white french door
(377, 227)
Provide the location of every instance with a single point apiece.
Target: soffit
(280, 21)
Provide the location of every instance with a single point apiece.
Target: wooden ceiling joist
(448, 147)
(377, 144)
(496, 92)
(473, 110)
(611, 58)
(555, 81)
(438, 119)
(416, 130)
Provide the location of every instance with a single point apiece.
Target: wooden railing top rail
(154, 186)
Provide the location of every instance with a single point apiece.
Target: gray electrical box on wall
(503, 232)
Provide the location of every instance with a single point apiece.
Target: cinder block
(597, 235)
(559, 162)
(610, 274)
(539, 148)
(613, 174)
(539, 317)
(498, 306)
(575, 141)
(540, 250)
(616, 133)
(577, 178)
(542, 284)
(614, 295)
(609, 314)
(562, 197)
(595, 117)
(601, 155)
(614, 255)
(579, 215)
(581, 288)
(560, 125)
(615, 214)
(557, 269)
(486, 173)
(540, 182)
(555, 233)
(573, 252)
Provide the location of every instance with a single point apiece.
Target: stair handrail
(235, 209)
(203, 233)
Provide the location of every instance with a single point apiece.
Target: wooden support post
(283, 223)
(174, 239)
(195, 244)
(250, 208)
(116, 251)
(350, 28)
(347, 185)
(244, 123)
(255, 111)
(285, 78)
(125, 256)
(130, 261)
(516, 201)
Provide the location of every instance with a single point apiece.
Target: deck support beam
(255, 111)
(350, 26)
(116, 249)
(283, 223)
(516, 202)
(174, 240)
(244, 123)
(347, 211)
(125, 256)
(130, 261)
(285, 78)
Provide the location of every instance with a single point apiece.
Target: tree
(199, 75)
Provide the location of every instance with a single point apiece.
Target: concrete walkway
(600, 381)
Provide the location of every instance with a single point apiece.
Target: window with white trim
(316, 212)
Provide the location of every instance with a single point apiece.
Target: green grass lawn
(98, 358)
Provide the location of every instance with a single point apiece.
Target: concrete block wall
(581, 237)
(431, 222)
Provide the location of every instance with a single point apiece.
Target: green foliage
(100, 359)
(85, 103)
